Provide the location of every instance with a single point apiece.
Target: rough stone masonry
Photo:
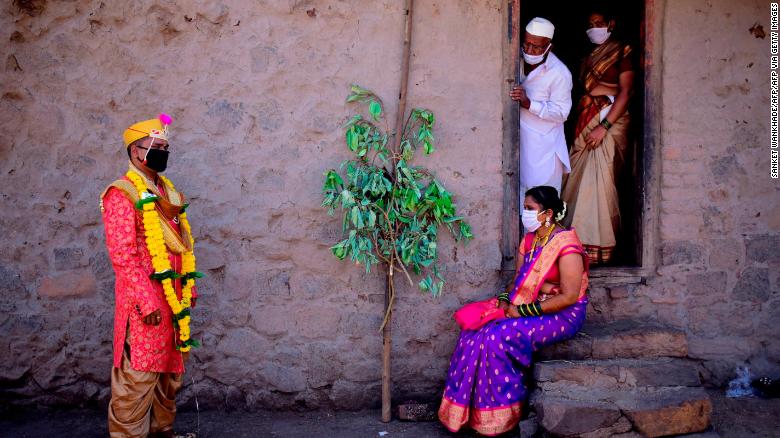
(257, 90)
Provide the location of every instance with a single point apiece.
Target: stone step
(620, 339)
(616, 373)
(600, 412)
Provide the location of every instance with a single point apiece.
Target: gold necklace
(536, 239)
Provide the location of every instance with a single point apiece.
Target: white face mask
(530, 220)
(598, 35)
(535, 59)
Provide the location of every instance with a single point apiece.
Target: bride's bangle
(533, 309)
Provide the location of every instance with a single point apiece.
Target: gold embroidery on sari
(453, 416)
(495, 421)
(547, 258)
(593, 69)
(599, 61)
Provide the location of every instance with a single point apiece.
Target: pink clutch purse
(474, 315)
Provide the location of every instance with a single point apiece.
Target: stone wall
(720, 214)
(257, 91)
(720, 211)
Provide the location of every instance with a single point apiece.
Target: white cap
(540, 27)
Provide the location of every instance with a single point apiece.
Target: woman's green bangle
(533, 309)
(605, 123)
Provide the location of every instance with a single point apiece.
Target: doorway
(571, 46)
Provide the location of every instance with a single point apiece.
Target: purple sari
(486, 381)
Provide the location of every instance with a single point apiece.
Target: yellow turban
(157, 128)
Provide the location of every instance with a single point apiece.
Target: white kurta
(544, 156)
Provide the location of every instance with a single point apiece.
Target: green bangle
(605, 123)
(533, 309)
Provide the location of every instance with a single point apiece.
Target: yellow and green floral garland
(155, 242)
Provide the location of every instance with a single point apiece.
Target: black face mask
(157, 160)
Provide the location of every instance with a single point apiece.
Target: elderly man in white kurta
(545, 101)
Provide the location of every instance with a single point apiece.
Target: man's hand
(153, 318)
(518, 95)
(594, 139)
(511, 312)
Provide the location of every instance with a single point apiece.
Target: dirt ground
(745, 417)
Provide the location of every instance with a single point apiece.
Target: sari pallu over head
(593, 69)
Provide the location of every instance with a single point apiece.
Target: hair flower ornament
(559, 217)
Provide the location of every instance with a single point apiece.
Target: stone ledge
(651, 412)
(566, 417)
(620, 339)
(617, 373)
(671, 411)
(615, 276)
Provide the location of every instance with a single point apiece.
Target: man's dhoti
(141, 402)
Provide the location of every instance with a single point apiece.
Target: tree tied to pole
(392, 210)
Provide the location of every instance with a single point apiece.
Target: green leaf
(421, 134)
(340, 249)
(355, 216)
(426, 284)
(375, 109)
(437, 288)
(465, 230)
(357, 89)
(347, 199)
(407, 173)
(353, 120)
(351, 139)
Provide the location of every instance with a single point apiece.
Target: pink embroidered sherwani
(152, 348)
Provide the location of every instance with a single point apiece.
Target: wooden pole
(389, 285)
(407, 51)
(386, 348)
(510, 233)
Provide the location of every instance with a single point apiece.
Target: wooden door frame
(651, 147)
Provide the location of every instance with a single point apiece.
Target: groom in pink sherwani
(148, 368)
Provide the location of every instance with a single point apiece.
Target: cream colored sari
(590, 189)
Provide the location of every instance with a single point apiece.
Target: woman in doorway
(600, 140)
(544, 304)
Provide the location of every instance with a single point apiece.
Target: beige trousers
(141, 402)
